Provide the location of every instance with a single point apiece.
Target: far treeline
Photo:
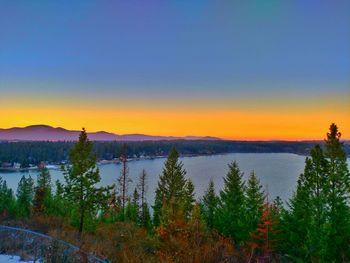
(237, 224)
(34, 153)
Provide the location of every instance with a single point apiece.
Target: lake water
(277, 171)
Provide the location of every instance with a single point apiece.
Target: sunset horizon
(180, 136)
(252, 71)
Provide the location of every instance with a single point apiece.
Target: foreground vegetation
(238, 224)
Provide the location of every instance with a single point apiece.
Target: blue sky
(175, 49)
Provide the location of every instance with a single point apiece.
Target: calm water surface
(277, 171)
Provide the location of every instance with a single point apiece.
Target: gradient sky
(234, 69)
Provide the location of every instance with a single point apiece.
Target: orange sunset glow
(260, 120)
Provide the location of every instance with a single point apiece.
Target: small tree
(7, 200)
(43, 192)
(209, 205)
(264, 237)
(25, 195)
(172, 187)
(189, 199)
(232, 206)
(81, 178)
(254, 202)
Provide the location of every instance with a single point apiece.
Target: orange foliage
(182, 241)
(262, 244)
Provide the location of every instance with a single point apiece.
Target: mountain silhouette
(48, 133)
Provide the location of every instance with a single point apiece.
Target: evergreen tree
(264, 236)
(146, 221)
(25, 195)
(59, 206)
(189, 199)
(43, 191)
(317, 226)
(231, 206)
(136, 198)
(254, 202)
(297, 223)
(339, 186)
(171, 188)
(81, 179)
(209, 205)
(316, 182)
(197, 233)
(131, 213)
(7, 200)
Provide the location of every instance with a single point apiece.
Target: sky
(251, 70)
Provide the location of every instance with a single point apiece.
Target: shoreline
(117, 161)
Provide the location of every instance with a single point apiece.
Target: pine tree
(7, 200)
(315, 172)
(254, 202)
(231, 206)
(59, 206)
(306, 222)
(317, 226)
(25, 195)
(297, 222)
(144, 214)
(171, 188)
(264, 236)
(43, 190)
(81, 179)
(189, 199)
(131, 214)
(209, 205)
(146, 221)
(197, 234)
(339, 186)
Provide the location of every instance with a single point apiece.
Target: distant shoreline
(105, 162)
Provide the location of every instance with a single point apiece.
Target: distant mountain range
(48, 133)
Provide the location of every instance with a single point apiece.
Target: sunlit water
(277, 171)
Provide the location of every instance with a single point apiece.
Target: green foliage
(81, 178)
(146, 221)
(7, 199)
(58, 205)
(131, 212)
(43, 191)
(231, 211)
(338, 197)
(317, 225)
(172, 187)
(209, 205)
(254, 202)
(189, 198)
(25, 195)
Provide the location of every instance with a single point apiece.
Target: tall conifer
(171, 190)
(231, 207)
(81, 178)
(339, 186)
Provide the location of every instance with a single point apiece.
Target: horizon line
(252, 139)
